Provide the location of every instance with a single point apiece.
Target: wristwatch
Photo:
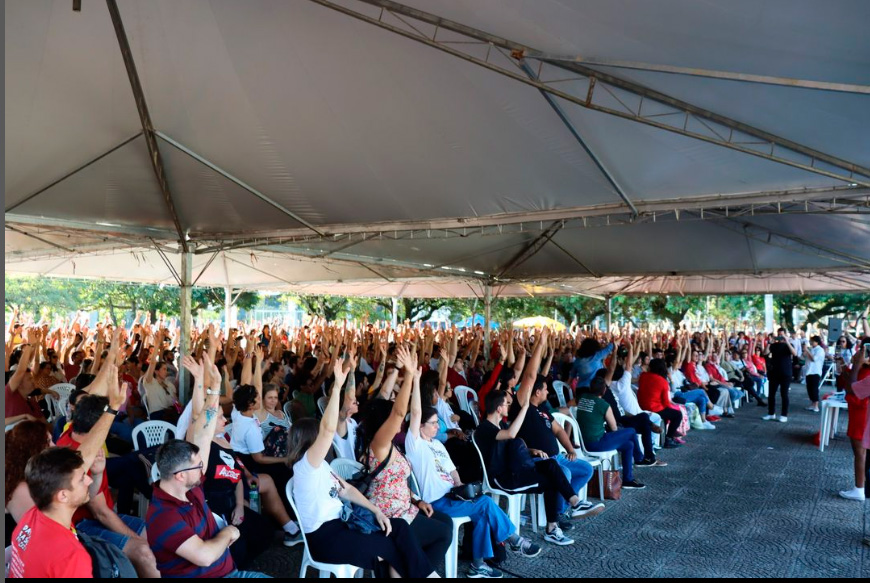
(110, 411)
(210, 392)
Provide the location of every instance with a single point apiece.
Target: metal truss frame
(506, 57)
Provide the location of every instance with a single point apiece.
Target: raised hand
(195, 368)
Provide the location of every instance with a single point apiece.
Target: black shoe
(633, 485)
(761, 403)
(670, 444)
(564, 523)
(645, 463)
(728, 415)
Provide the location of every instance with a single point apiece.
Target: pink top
(862, 391)
(390, 491)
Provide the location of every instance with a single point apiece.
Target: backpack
(512, 466)
(109, 562)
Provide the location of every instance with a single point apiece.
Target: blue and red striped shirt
(171, 523)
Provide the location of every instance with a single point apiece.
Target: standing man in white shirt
(815, 356)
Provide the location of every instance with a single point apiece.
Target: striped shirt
(171, 523)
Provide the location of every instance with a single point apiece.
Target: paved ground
(751, 499)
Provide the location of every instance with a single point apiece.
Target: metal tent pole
(186, 321)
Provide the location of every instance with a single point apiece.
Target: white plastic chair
(830, 414)
(345, 468)
(326, 569)
(451, 557)
(515, 501)
(595, 462)
(154, 431)
(58, 406)
(466, 396)
(561, 390)
(321, 404)
(287, 410)
(8, 558)
(144, 395)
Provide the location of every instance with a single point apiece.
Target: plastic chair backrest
(154, 432)
(345, 468)
(287, 410)
(576, 437)
(321, 404)
(486, 481)
(560, 389)
(289, 492)
(465, 395)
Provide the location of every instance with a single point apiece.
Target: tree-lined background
(53, 298)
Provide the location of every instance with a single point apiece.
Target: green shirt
(591, 412)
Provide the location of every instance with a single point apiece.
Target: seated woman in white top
(437, 476)
(318, 493)
(247, 438)
(344, 440)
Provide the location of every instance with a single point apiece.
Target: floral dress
(389, 491)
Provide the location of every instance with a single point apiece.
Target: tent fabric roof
(425, 173)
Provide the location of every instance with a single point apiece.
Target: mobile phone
(867, 351)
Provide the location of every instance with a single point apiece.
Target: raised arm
(381, 442)
(18, 375)
(206, 393)
(317, 452)
(93, 442)
(416, 405)
(258, 374)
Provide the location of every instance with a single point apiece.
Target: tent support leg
(609, 312)
(487, 319)
(186, 321)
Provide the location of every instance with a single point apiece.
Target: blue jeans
(96, 529)
(124, 429)
(236, 574)
(489, 521)
(625, 442)
(578, 472)
(736, 394)
(696, 396)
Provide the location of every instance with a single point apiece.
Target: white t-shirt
(247, 437)
(702, 373)
(814, 364)
(625, 395)
(184, 422)
(159, 396)
(432, 466)
(364, 366)
(346, 446)
(445, 412)
(315, 491)
(678, 379)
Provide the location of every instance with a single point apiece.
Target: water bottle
(254, 498)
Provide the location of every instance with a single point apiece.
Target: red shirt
(759, 363)
(691, 375)
(486, 388)
(714, 373)
(71, 371)
(653, 393)
(84, 513)
(44, 548)
(18, 404)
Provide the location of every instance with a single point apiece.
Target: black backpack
(109, 562)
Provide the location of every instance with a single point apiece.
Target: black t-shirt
(485, 437)
(224, 472)
(614, 405)
(780, 365)
(537, 429)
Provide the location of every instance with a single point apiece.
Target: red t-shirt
(84, 513)
(17, 404)
(71, 371)
(43, 548)
(653, 392)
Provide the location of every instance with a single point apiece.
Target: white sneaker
(769, 418)
(708, 425)
(783, 419)
(557, 537)
(853, 494)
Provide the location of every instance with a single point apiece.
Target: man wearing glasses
(182, 531)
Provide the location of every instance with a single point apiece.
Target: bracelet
(210, 392)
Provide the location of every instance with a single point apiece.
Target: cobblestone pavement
(751, 499)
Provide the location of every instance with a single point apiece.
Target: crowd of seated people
(382, 396)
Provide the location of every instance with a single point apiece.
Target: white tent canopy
(364, 147)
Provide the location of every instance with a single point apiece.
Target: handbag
(612, 485)
(466, 492)
(359, 518)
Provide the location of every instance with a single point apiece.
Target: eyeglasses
(433, 422)
(199, 467)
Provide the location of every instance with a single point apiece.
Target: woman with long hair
(654, 394)
(319, 492)
(389, 490)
